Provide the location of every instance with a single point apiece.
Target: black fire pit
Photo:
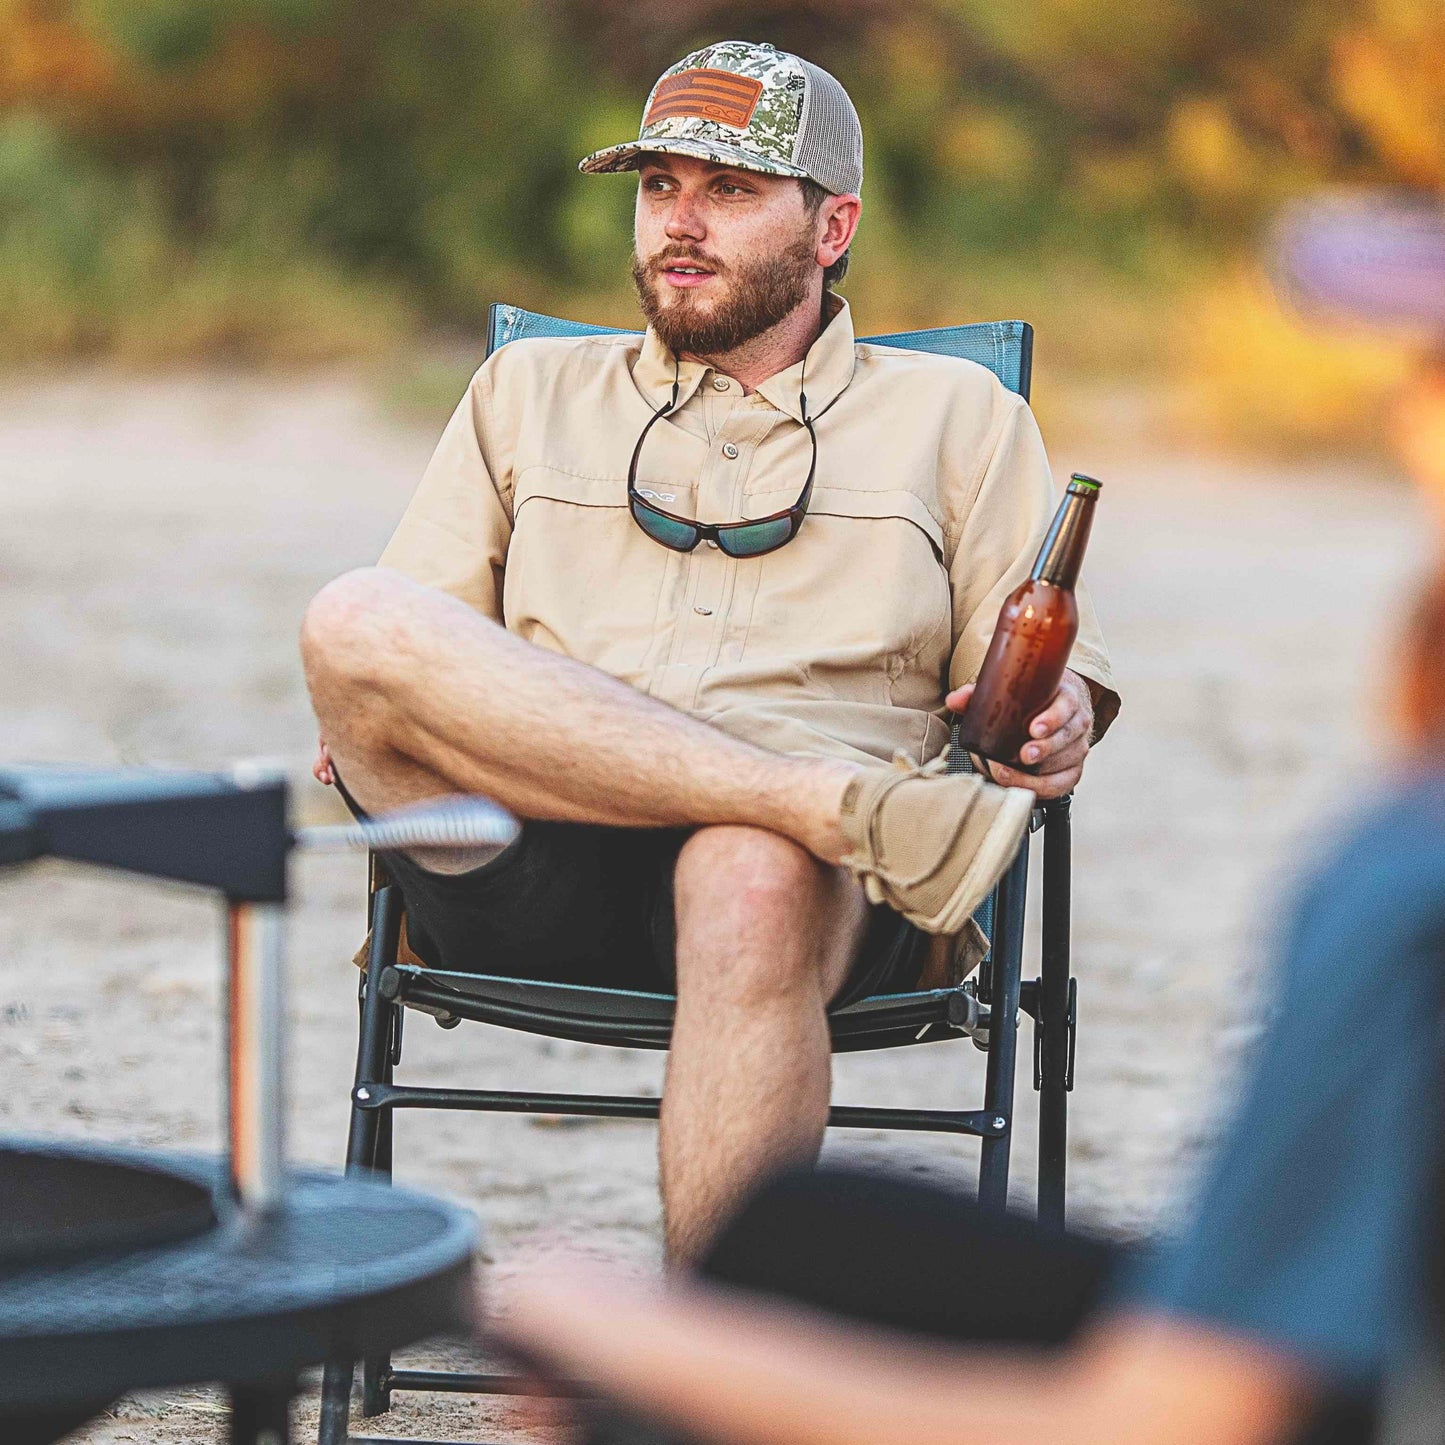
(123, 1270)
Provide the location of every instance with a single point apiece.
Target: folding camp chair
(984, 1008)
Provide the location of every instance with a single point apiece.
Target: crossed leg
(418, 696)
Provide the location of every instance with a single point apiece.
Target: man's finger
(958, 699)
(1071, 759)
(1066, 738)
(1045, 785)
(1064, 706)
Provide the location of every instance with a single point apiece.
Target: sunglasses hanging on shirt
(737, 539)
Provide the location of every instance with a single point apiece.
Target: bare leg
(417, 695)
(765, 937)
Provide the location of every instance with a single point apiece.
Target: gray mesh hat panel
(830, 139)
(750, 105)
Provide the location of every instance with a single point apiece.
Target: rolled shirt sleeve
(996, 544)
(455, 533)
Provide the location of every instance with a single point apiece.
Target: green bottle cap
(1087, 483)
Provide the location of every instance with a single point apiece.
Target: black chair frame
(985, 1008)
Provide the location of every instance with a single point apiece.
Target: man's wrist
(1095, 690)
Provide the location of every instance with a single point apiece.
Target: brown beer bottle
(1035, 634)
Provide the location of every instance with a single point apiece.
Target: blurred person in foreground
(677, 600)
(1308, 1282)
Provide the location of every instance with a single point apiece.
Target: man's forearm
(726, 1370)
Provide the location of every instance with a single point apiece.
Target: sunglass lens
(680, 536)
(755, 540)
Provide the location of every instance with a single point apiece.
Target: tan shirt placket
(734, 427)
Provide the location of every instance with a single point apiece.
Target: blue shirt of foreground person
(1312, 1233)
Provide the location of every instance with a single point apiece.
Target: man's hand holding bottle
(1058, 739)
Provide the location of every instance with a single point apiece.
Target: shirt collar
(823, 373)
(655, 369)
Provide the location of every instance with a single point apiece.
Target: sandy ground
(159, 541)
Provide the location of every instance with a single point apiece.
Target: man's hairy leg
(417, 694)
(765, 938)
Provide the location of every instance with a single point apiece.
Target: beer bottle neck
(1062, 554)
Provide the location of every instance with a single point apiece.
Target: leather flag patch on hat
(720, 95)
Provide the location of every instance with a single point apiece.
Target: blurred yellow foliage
(1208, 151)
(978, 144)
(45, 59)
(1389, 73)
(52, 61)
(1252, 376)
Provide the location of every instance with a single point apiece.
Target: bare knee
(750, 904)
(760, 869)
(343, 633)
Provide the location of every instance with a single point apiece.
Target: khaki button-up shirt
(931, 498)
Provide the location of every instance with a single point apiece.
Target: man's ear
(840, 216)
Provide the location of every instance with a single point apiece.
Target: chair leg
(364, 1147)
(385, 1118)
(376, 1369)
(1055, 1018)
(374, 1048)
(998, 1094)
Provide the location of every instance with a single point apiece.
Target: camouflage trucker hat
(749, 105)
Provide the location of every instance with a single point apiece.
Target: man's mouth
(684, 273)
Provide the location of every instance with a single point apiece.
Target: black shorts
(580, 903)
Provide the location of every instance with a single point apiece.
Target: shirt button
(730, 451)
(703, 611)
(719, 383)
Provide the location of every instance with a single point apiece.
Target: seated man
(696, 735)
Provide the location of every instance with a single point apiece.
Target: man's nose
(684, 220)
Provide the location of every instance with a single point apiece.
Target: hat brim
(1373, 257)
(628, 156)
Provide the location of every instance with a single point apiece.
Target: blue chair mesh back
(1005, 347)
(511, 323)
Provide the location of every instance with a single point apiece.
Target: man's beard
(760, 294)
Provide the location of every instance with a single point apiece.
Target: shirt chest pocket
(860, 596)
(581, 577)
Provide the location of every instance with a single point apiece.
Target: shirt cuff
(1095, 671)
